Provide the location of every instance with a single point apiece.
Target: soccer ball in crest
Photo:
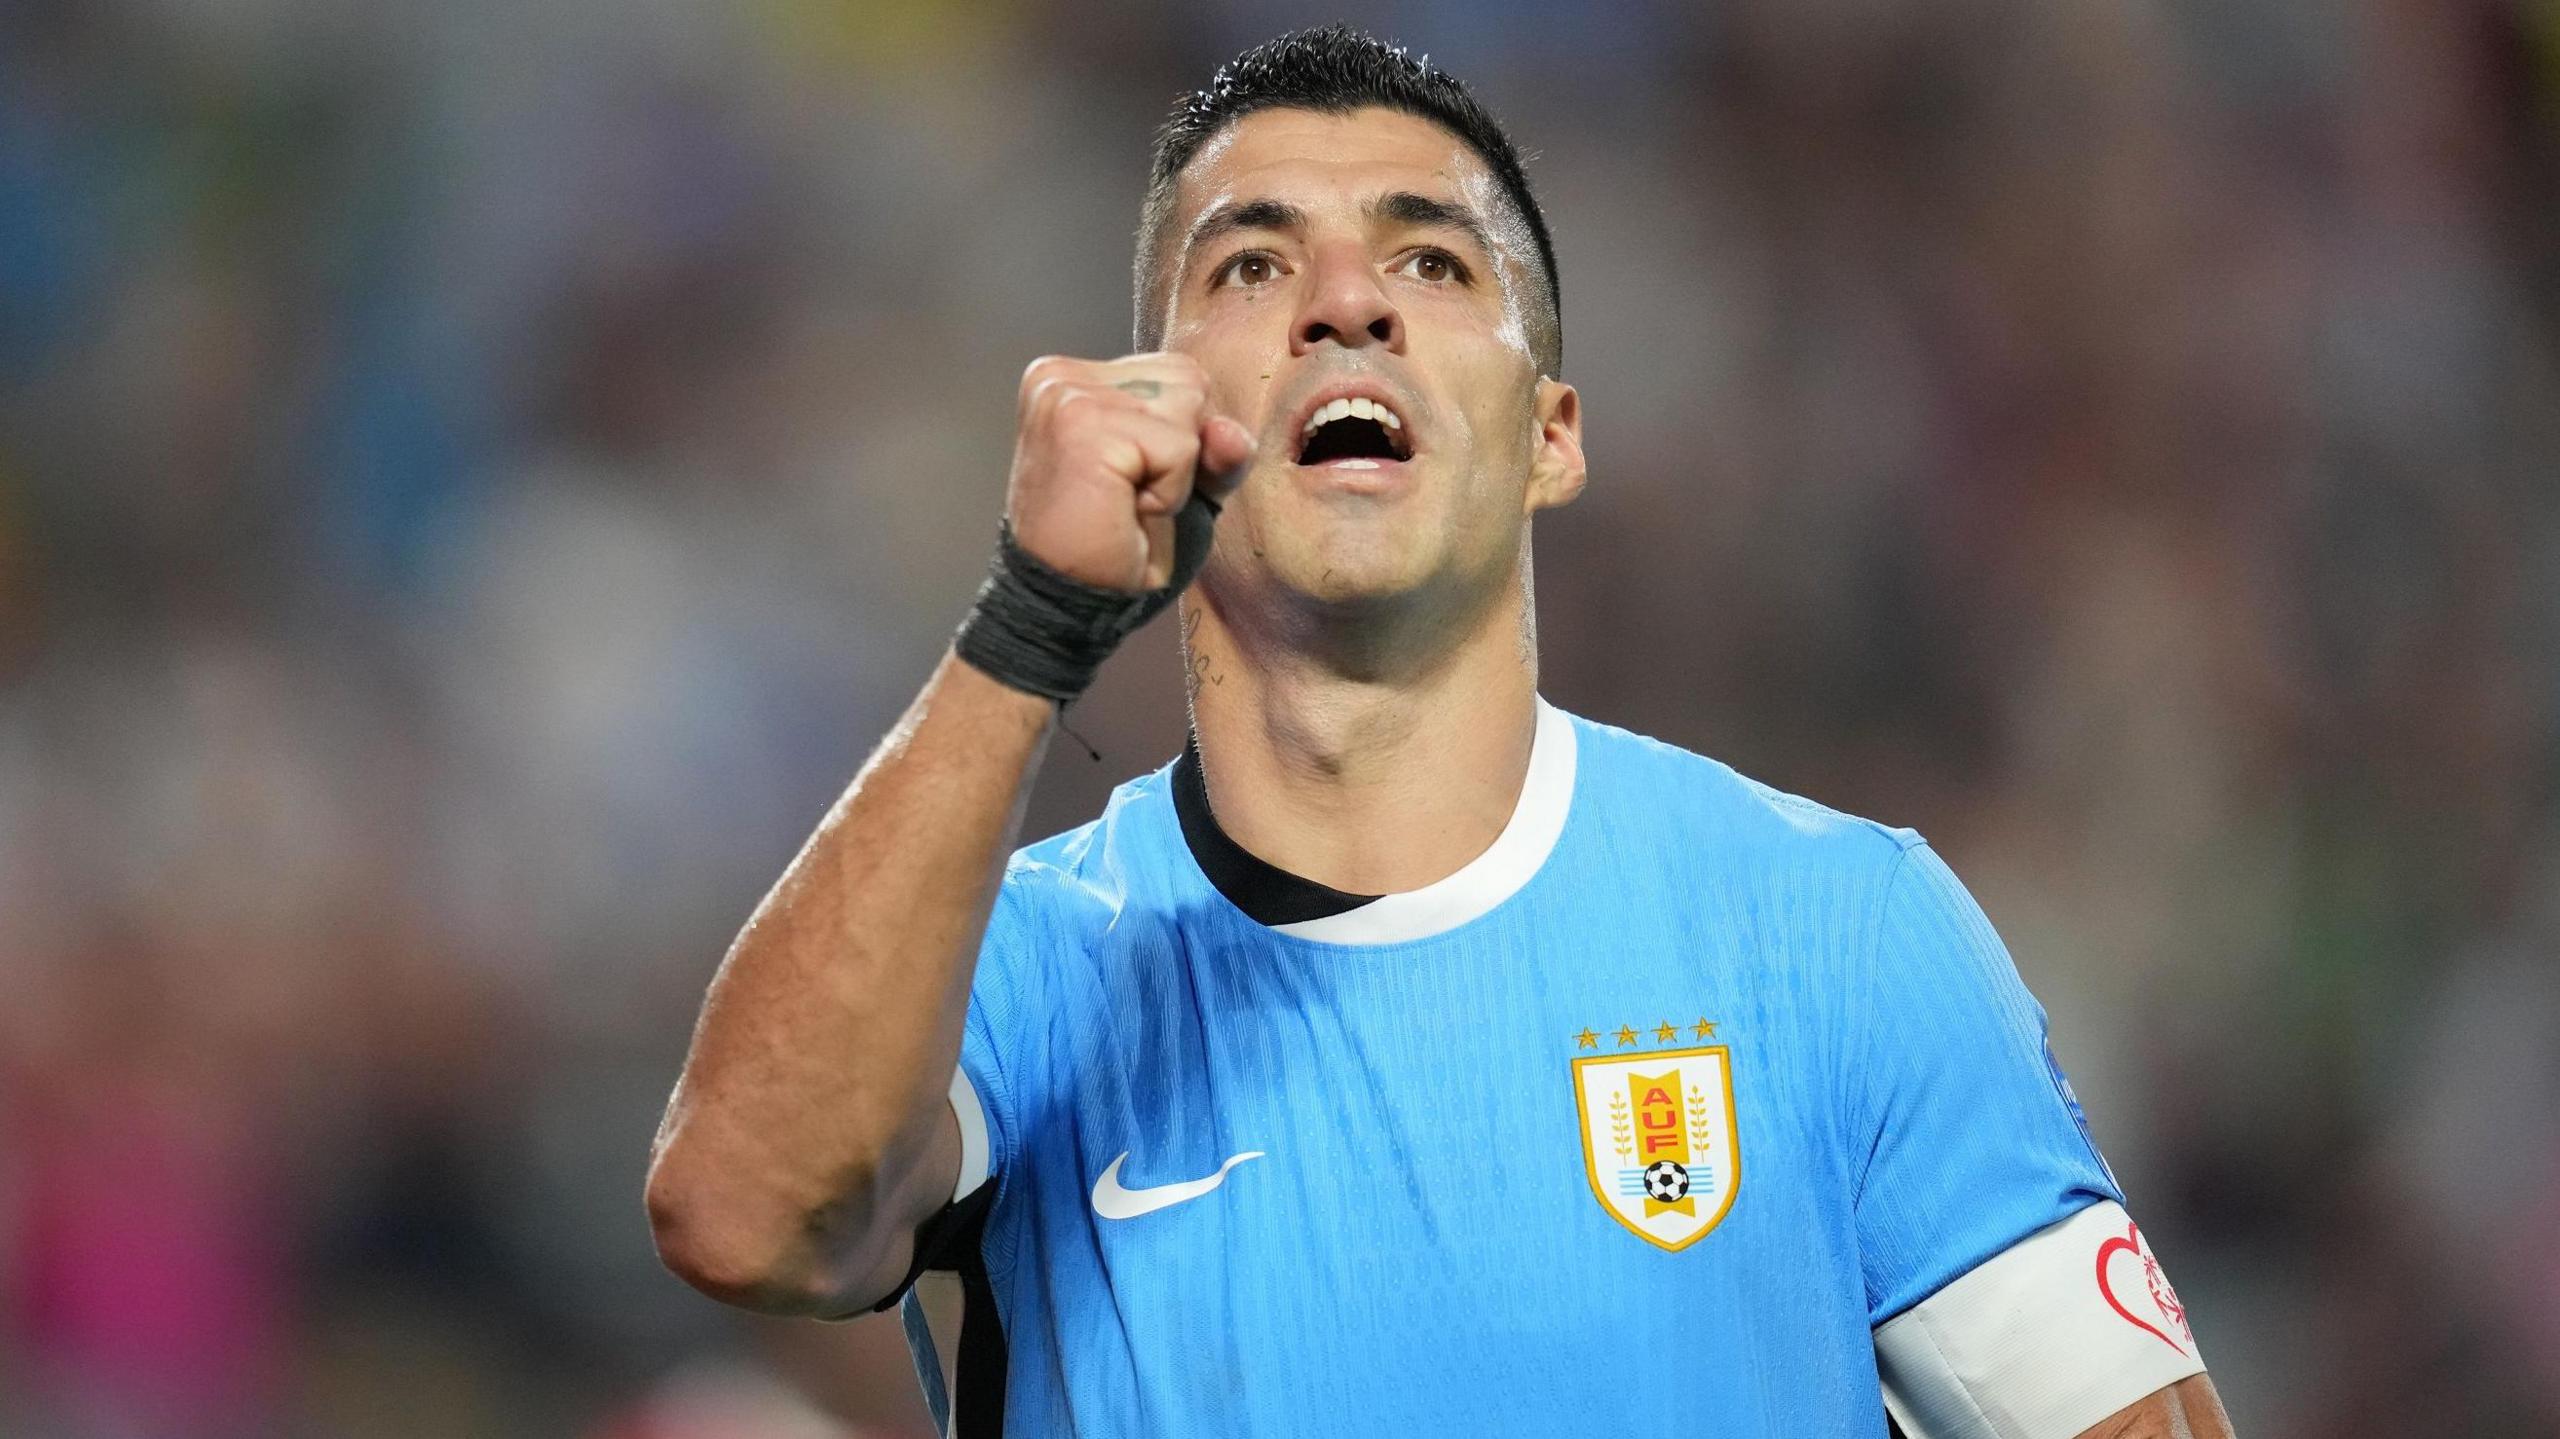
(1666, 1181)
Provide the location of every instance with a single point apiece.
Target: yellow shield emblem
(1657, 1140)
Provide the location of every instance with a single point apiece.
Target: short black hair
(1337, 70)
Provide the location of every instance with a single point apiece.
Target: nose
(1347, 305)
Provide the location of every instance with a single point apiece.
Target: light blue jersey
(1640, 1123)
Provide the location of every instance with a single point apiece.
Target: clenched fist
(1105, 453)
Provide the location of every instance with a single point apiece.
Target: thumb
(1226, 447)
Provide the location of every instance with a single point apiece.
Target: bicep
(2071, 1325)
(2188, 1409)
(916, 1195)
(935, 1199)
(2013, 1297)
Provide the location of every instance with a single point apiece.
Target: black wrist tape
(1046, 634)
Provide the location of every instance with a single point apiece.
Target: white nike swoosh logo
(1111, 1201)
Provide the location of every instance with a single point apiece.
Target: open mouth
(1353, 429)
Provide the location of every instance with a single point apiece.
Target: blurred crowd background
(476, 477)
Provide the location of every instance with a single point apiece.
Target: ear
(1556, 471)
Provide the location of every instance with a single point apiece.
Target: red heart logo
(2164, 1300)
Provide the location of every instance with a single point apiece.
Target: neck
(1370, 778)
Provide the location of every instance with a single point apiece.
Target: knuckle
(1040, 396)
(1044, 378)
(1167, 368)
(1063, 400)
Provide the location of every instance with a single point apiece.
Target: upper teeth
(1352, 409)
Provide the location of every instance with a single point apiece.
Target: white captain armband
(973, 1135)
(2041, 1341)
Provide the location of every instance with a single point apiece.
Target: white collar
(1537, 820)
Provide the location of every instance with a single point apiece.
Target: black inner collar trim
(1266, 893)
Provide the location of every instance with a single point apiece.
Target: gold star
(1665, 1032)
(1586, 1040)
(1704, 1029)
(1626, 1035)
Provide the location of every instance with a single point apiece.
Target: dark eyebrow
(1401, 207)
(1404, 207)
(1248, 215)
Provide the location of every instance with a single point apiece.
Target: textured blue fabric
(1420, 1244)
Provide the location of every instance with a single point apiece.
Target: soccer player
(1407, 1056)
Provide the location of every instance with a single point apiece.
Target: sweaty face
(1358, 292)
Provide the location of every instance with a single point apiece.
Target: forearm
(808, 1134)
(817, 1072)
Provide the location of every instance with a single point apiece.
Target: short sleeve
(1972, 1138)
(1008, 1008)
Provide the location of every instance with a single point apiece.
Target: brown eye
(1250, 270)
(1434, 267)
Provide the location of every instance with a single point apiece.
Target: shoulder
(1637, 782)
(1093, 870)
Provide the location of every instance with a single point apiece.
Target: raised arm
(809, 1133)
